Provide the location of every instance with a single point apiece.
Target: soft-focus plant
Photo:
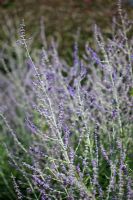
(16, 96)
(82, 121)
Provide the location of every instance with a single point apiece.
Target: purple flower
(71, 91)
(31, 126)
(50, 76)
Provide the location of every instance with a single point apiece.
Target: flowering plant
(81, 126)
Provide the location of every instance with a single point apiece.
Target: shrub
(81, 126)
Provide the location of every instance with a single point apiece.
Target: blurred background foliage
(62, 19)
